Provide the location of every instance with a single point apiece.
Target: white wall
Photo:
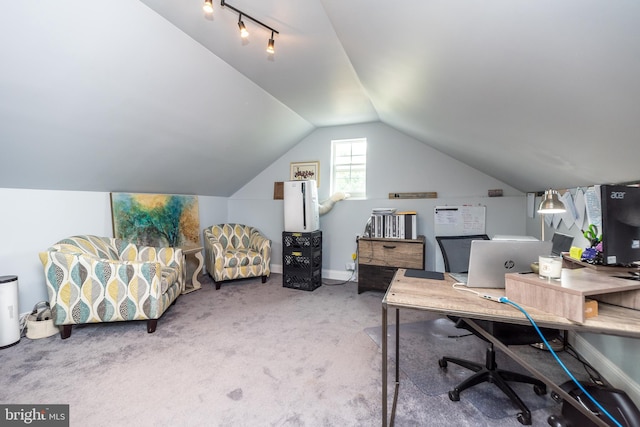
(33, 220)
(395, 163)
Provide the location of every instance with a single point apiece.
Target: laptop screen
(490, 260)
(561, 243)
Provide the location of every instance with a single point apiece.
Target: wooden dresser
(378, 260)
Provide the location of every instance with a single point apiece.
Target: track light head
(271, 45)
(208, 6)
(243, 30)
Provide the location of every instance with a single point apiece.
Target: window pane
(349, 167)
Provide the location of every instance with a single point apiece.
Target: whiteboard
(459, 220)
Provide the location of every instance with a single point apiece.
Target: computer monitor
(620, 224)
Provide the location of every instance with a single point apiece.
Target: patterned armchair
(93, 279)
(235, 251)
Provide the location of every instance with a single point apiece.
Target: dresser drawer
(391, 252)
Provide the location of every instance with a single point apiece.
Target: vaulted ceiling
(95, 96)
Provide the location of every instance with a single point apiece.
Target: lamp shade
(551, 203)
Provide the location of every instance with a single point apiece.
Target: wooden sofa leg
(217, 285)
(151, 325)
(264, 279)
(65, 331)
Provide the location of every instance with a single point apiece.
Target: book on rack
(394, 225)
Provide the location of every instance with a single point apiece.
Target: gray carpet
(250, 354)
(423, 343)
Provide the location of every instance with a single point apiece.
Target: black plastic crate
(292, 240)
(302, 260)
(305, 282)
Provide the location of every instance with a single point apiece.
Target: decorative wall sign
(278, 190)
(156, 219)
(301, 171)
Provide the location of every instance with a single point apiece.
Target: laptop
(560, 243)
(490, 260)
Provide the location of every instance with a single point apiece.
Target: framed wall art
(156, 219)
(301, 171)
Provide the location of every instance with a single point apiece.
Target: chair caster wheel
(540, 390)
(556, 421)
(454, 395)
(442, 363)
(524, 419)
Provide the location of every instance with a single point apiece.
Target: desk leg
(385, 366)
(573, 402)
(385, 362)
(397, 385)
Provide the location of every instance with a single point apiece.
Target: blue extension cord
(505, 300)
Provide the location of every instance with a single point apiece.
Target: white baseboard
(613, 374)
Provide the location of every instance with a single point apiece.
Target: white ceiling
(97, 96)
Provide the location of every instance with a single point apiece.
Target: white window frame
(361, 192)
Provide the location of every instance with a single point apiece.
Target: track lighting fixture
(270, 45)
(208, 8)
(243, 30)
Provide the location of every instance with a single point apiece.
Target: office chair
(455, 252)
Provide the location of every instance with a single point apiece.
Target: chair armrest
(212, 245)
(259, 243)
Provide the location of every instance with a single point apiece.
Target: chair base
(218, 284)
(65, 330)
(489, 372)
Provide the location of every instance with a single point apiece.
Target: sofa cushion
(242, 258)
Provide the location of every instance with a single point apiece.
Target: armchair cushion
(234, 251)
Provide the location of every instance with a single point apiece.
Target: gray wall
(615, 357)
(395, 163)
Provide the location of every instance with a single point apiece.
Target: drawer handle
(389, 246)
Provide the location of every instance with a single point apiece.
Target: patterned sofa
(236, 251)
(93, 279)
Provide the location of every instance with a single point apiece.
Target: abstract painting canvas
(156, 219)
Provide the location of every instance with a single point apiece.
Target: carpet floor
(253, 354)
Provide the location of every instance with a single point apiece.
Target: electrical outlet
(350, 266)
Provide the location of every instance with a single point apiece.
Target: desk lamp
(550, 204)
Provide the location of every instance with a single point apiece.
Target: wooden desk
(438, 296)
(566, 297)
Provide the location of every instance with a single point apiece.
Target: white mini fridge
(301, 206)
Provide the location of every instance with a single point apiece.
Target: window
(349, 167)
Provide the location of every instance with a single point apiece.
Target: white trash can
(9, 316)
